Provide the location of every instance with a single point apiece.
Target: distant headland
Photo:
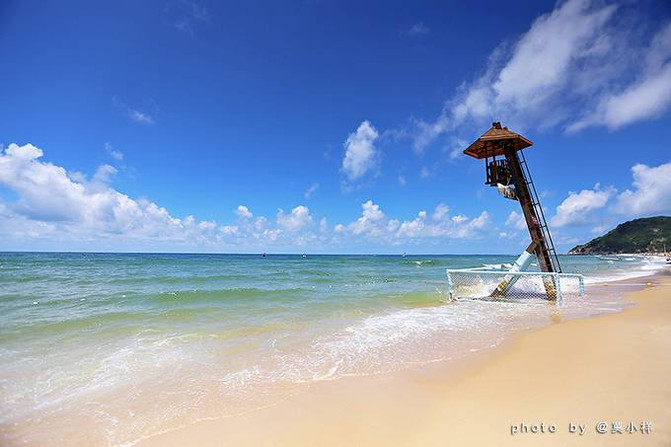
(645, 235)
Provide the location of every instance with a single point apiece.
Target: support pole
(520, 264)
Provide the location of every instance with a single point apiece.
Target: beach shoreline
(609, 368)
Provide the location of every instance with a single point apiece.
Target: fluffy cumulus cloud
(375, 224)
(583, 64)
(361, 155)
(297, 220)
(516, 221)
(69, 203)
(243, 212)
(51, 204)
(576, 208)
(55, 205)
(371, 220)
(651, 192)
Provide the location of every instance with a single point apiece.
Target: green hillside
(648, 234)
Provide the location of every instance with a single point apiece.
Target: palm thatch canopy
(493, 141)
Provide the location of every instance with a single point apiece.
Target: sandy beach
(567, 378)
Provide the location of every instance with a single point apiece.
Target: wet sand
(611, 368)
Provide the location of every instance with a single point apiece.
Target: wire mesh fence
(513, 286)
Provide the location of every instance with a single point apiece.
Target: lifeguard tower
(506, 169)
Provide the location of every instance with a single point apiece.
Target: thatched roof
(492, 142)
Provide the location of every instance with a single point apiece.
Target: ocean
(110, 348)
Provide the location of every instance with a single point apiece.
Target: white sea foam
(638, 268)
(503, 266)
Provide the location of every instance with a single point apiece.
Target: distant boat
(264, 255)
(304, 255)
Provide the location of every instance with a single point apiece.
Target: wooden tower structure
(507, 170)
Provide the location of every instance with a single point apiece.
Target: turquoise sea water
(129, 345)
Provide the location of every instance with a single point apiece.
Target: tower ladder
(535, 202)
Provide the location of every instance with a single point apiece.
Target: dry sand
(604, 369)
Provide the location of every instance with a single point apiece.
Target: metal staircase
(538, 208)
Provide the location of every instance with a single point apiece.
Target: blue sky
(324, 126)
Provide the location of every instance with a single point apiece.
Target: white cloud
(323, 225)
(228, 230)
(457, 149)
(132, 113)
(375, 225)
(459, 218)
(651, 193)
(207, 224)
(185, 15)
(371, 220)
(414, 227)
(599, 229)
(49, 194)
(463, 228)
(425, 132)
(360, 153)
(576, 208)
(440, 212)
(260, 222)
(580, 65)
(402, 180)
(516, 221)
(481, 221)
(140, 117)
(102, 176)
(61, 208)
(243, 212)
(647, 97)
(544, 57)
(297, 220)
(54, 206)
(311, 190)
(393, 225)
(115, 154)
(20, 154)
(417, 29)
